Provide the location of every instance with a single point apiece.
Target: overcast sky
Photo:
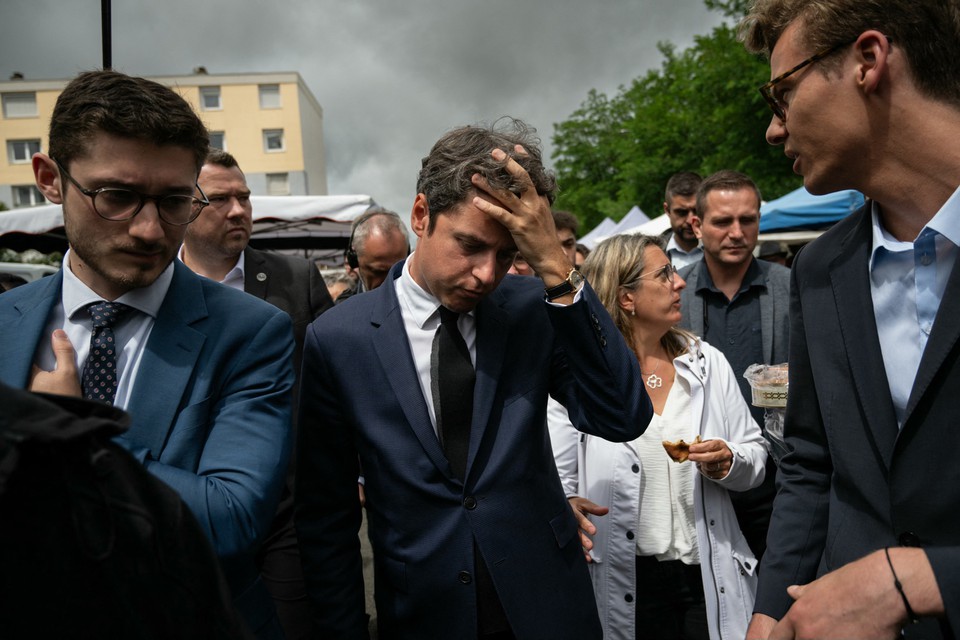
(391, 75)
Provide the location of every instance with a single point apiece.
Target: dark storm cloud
(391, 76)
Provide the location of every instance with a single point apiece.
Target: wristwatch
(571, 285)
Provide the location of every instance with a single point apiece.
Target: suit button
(464, 577)
(628, 597)
(635, 468)
(470, 503)
(603, 341)
(909, 539)
(629, 535)
(722, 590)
(747, 565)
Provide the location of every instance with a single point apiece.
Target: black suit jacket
(289, 283)
(854, 483)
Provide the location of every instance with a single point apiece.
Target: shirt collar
(752, 278)
(76, 295)
(418, 304)
(238, 271)
(673, 246)
(946, 222)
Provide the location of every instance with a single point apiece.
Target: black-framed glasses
(664, 274)
(767, 90)
(119, 204)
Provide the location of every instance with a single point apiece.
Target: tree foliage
(700, 111)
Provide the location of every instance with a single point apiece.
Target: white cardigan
(608, 473)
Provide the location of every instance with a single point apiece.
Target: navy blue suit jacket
(854, 482)
(362, 400)
(210, 408)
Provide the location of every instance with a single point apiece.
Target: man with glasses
(865, 538)
(215, 246)
(204, 371)
(739, 305)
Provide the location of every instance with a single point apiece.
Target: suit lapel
(850, 277)
(169, 361)
(20, 339)
(255, 276)
(492, 334)
(393, 349)
(942, 340)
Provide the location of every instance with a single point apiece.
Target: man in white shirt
(470, 527)
(680, 206)
(216, 246)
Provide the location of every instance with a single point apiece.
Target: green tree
(700, 111)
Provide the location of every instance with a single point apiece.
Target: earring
(633, 312)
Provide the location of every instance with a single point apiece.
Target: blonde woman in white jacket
(668, 560)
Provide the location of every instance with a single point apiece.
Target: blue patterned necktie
(99, 379)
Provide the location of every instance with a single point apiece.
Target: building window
(27, 196)
(20, 105)
(218, 140)
(273, 140)
(269, 96)
(210, 98)
(278, 184)
(21, 151)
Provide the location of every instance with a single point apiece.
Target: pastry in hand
(679, 450)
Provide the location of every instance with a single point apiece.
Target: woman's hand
(712, 457)
(581, 509)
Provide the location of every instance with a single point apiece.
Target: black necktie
(99, 377)
(455, 378)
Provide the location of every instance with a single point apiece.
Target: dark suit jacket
(130, 560)
(210, 408)
(362, 396)
(854, 482)
(289, 283)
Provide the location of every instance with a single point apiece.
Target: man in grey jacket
(738, 304)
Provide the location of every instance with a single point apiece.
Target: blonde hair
(617, 263)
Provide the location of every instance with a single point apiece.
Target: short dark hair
(684, 183)
(221, 158)
(928, 31)
(445, 174)
(725, 180)
(127, 107)
(565, 220)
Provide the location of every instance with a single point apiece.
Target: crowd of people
(546, 441)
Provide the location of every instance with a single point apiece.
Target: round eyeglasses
(664, 274)
(119, 204)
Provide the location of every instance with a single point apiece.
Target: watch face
(576, 279)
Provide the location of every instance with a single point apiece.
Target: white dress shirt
(234, 277)
(131, 333)
(907, 281)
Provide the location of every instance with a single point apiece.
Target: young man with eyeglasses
(865, 538)
(204, 371)
(739, 305)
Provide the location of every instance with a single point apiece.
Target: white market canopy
(279, 222)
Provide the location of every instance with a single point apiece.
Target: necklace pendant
(654, 381)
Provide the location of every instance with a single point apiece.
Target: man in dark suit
(215, 246)
(471, 532)
(865, 536)
(204, 371)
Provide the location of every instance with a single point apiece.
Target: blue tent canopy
(801, 210)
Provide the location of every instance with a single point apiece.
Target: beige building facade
(270, 122)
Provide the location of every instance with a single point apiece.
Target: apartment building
(270, 122)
